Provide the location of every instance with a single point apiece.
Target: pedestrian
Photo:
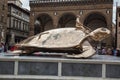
(98, 51)
(104, 51)
(115, 52)
(118, 52)
(1, 48)
(5, 48)
(13, 48)
(109, 51)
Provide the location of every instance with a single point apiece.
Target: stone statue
(73, 41)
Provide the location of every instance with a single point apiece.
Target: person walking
(104, 51)
(109, 51)
(118, 52)
(115, 52)
(1, 48)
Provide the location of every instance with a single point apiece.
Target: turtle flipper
(87, 53)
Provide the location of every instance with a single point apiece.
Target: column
(31, 29)
(55, 21)
(109, 42)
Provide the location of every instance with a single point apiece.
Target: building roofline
(22, 9)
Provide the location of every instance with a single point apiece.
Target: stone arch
(95, 20)
(42, 23)
(67, 20)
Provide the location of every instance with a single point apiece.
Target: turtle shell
(55, 38)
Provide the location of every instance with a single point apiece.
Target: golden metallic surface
(74, 40)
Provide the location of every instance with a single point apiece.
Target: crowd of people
(108, 51)
(5, 48)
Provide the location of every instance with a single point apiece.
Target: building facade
(3, 20)
(49, 14)
(17, 2)
(18, 22)
(117, 28)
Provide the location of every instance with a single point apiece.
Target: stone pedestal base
(40, 68)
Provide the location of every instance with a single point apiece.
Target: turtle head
(99, 34)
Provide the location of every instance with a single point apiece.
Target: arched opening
(94, 21)
(42, 23)
(67, 20)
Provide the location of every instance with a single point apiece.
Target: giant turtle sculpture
(74, 41)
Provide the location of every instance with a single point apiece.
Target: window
(9, 8)
(20, 13)
(16, 12)
(13, 23)
(23, 26)
(19, 25)
(16, 24)
(26, 27)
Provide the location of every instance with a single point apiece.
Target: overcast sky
(26, 5)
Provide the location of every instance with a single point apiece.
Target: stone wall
(56, 68)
